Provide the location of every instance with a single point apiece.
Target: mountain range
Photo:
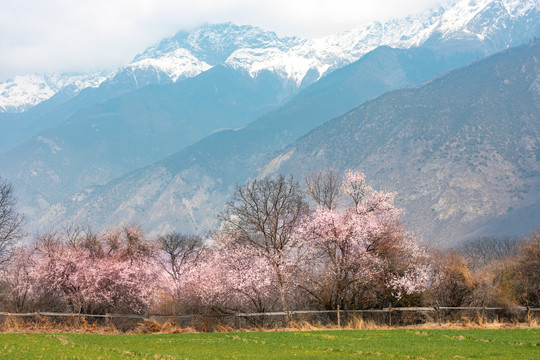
(216, 103)
(483, 26)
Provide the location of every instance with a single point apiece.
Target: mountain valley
(413, 102)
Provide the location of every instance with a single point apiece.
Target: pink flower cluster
(106, 275)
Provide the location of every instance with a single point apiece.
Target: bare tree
(178, 250)
(324, 188)
(10, 221)
(75, 234)
(263, 214)
(482, 251)
(529, 267)
(454, 283)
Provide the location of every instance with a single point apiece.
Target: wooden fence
(526, 312)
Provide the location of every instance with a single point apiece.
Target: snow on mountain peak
(215, 43)
(328, 53)
(22, 92)
(464, 16)
(290, 65)
(462, 13)
(177, 64)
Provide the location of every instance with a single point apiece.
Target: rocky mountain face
(462, 151)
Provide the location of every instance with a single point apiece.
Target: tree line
(280, 246)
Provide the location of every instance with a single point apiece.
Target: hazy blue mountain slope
(462, 151)
(157, 65)
(379, 71)
(54, 111)
(102, 142)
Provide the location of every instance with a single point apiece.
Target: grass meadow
(334, 344)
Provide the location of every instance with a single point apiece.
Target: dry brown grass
(358, 323)
(41, 324)
(153, 326)
(149, 326)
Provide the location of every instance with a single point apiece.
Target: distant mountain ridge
(122, 134)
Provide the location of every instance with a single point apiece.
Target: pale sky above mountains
(67, 35)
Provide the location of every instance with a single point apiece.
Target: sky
(42, 36)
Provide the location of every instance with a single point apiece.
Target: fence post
(390, 314)
(528, 314)
(338, 317)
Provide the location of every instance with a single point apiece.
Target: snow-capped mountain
(238, 46)
(467, 16)
(499, 23)
(22, 92)
(489, 25)
(297, 61)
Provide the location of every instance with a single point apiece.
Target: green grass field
(345, 344)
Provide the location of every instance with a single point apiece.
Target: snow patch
(177, 64)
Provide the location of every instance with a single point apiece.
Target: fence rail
(385, 310)
(106, 316)
(279, 313)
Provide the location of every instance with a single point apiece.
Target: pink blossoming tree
(361, 254)
(234, 278)
(109, 272)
